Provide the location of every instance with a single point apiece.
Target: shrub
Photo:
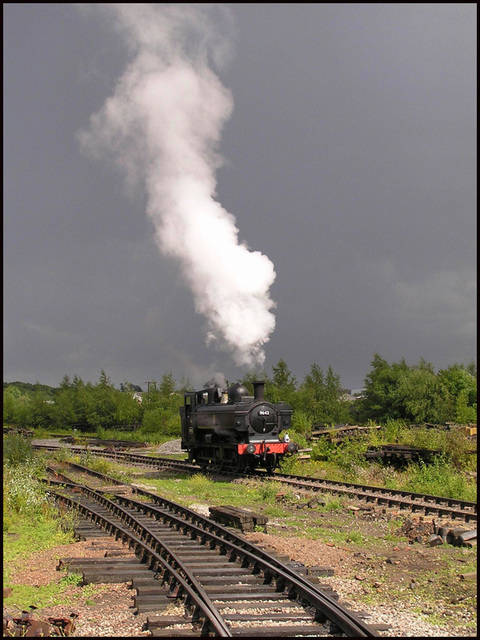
(160, 422)
(17, 450)
(439, 478)
(23, 494)
(268, 491)
(323, 449)
(301, 423)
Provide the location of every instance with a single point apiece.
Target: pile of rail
(21, 431)
(401, 453)
(338, 432)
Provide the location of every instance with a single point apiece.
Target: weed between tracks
(367, 550)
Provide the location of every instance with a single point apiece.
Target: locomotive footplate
(260, 448)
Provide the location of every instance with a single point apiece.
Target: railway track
(228, 587)
(417, 502)
(441, 507)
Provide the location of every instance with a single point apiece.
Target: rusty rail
(438, 505)
(214, 536)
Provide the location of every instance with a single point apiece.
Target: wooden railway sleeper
(296, 586)
(212, 618)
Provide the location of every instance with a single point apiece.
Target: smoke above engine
(162, 127)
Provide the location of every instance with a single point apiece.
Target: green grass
(124, 473)
(30, 522)
(25, 538)
(187, 488)
(447, 475)
(31, 525)
(439, 479)
(66, 591)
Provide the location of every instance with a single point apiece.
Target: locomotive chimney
(258, 388)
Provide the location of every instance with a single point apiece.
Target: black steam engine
(234, 431)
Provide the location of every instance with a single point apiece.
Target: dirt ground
(415, 589)
(419, 589)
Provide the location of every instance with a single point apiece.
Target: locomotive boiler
(234, 431)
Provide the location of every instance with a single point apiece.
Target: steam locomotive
(231, 430)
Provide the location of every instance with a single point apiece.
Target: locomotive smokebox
(258, 390)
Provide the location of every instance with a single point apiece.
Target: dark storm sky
(349, 161)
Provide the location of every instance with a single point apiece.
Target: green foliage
(16, 407)
(439, 478)
(320, 397)
(420, 396)
(28, 389)
(289, 464)
(27, 536)
(379, 400)
(417, 394)
(302, 424)
(26, 404)
(268, 491)
(161, 410)
(17, 450)
(393, 431)
(443, 475)
(393, 391)
(282, 387)
(252, 376)
(298, 438)
(167, 385)
(347, 455)
(23, 493)
(323, 449)
(458, 450)
(465, 409)
(199, 483)
(128, 409)
(107, 467)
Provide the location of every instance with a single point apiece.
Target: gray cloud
(349, 162)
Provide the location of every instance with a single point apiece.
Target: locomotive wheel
(217, 464)
(235, 463)
(271, 463)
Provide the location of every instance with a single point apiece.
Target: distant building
(352, 395)
(358, 392)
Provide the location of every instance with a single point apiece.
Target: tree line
(415, 394)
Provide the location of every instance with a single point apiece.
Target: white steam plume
(162, 126)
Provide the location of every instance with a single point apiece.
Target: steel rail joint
(195, 591)
(282, 574)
